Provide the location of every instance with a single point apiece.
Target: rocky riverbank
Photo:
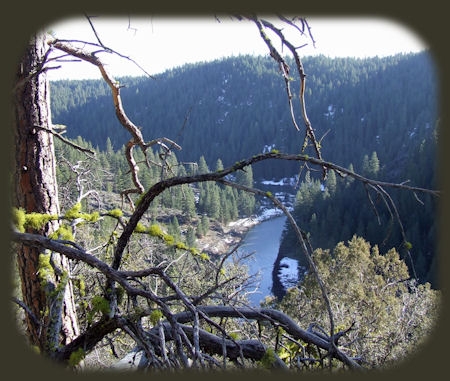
(222, 238)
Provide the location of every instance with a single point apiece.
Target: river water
(264, 241)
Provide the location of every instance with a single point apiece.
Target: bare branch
(261, 24)
(94, 30)
(371, 203)
(137, 138)
(307, 250)
(159, 187)
(109, 50)
(27, 310)
(68, 142)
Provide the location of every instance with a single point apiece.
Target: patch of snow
(282, 182)
(288, 273)
(330, 112)
(268, 214)
(228, 240)
(268, 148)
(270, 182)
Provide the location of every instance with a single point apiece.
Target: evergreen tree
(331, 182)
(174, 228)
(245, 176)
(213, 209)
(374, 164)
(205, 224)
(202, 166)
(188, 204)
(246, 201)
(190, 237)
(219, 165)
(349, 180)
(366, 165)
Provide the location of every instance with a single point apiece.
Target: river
(264, 241)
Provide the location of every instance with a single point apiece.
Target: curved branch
(159, 187)
(265, 314)
(137, 138)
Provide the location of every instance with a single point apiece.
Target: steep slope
(236, 107)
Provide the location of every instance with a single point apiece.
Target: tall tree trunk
(36, 189)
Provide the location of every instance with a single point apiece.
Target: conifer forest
(127, 194)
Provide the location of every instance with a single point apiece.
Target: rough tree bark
(36, 188)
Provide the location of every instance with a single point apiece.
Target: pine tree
(205, 224)
(213, 210)
(202, 166)
(188, 204)
(190, 237)
(225, 216)
(219, 165)
(246, 201)
(199, 231)
(174, 228)
(349, 180)
(331, 183)
(374, 164)
(109, 147)
(366, 165)
(245, 177)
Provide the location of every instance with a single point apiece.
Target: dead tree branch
(284, 68)
(137, 138)
(302, 239)
(159, 187)
(68, 142)
(175, 321)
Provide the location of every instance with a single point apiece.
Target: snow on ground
(270, 182)
(288, 273)
(285, 181)
(263, 215)
(267, 214)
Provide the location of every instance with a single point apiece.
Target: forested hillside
(236, 109)
(377, 116)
